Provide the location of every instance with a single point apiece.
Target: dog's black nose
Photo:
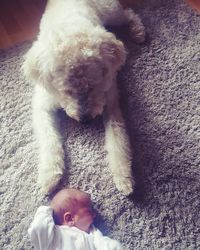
(85, 119)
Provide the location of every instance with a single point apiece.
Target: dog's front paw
(137, 34)
(48, 180)
(124, 184)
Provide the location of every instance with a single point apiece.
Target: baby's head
(73, 207)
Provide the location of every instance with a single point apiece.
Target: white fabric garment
(45, 235)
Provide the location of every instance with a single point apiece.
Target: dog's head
(78, 71)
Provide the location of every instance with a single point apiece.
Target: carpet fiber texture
(160, 92)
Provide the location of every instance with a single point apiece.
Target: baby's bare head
(68, 201)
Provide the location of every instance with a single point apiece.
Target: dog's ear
(113, 51)
(37, 64)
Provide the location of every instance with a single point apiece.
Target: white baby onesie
(45, 235)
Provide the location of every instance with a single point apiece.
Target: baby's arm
(41, 230)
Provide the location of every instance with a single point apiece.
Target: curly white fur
(74, 63)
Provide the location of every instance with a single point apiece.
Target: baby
(67, 225)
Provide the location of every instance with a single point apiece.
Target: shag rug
(160, 96)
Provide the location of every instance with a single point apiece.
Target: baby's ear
(36, 66)
(114, 52)
(68, 219)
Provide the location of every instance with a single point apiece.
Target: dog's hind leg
(51, 155)
(118, 147)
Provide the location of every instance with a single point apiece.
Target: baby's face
(84, 216)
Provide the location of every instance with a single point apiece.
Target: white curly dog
(74, 63)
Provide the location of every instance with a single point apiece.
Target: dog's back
(108, 11)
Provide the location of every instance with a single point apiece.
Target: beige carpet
(160, 89)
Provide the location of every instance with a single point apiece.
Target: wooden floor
(19, 19)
